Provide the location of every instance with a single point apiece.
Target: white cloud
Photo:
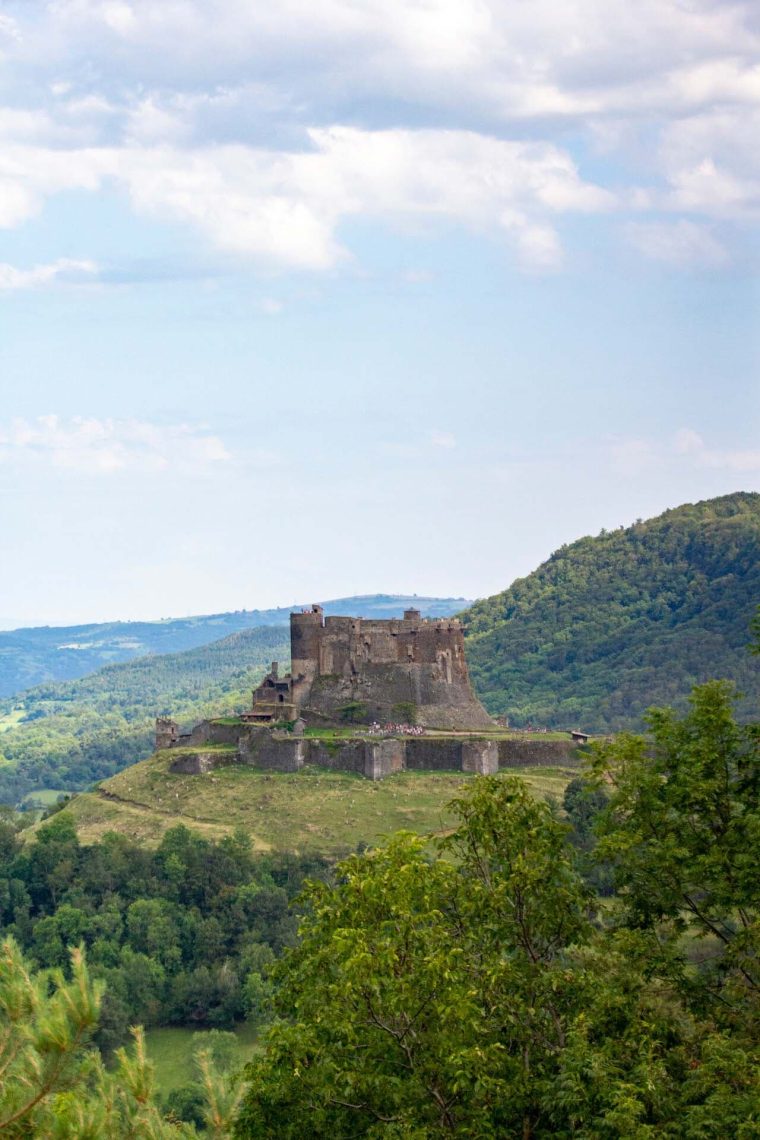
(444, 439)
(270, 306)
(632, 457)
(222, 113)
(63, 270)
(91, 445)
(285, 207)
(690, 443)
(680, 243)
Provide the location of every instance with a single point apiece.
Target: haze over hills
(611, 625)
(56, 653)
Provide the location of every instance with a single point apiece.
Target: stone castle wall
(367, 756)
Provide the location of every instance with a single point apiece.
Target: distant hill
(59, 653)
(68, 734)
(611, 625)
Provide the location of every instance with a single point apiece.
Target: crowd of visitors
(391, 729)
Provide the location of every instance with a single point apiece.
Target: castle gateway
(357, 670)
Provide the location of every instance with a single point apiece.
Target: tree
(682, 828)
(466, 991)
(53, 1086)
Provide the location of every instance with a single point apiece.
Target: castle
(356, 670)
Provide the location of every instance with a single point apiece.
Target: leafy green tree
(53, 1086)
(683, 829)
(468, 991)
(45, 1025)
(755, 629)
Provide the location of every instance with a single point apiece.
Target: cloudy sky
(306, 299)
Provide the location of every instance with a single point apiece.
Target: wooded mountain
(69, 734)
(611, 625)
(57, 653)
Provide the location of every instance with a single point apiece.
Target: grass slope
(326, 812)
(611, 625)
(171, 1050)
(30, 657)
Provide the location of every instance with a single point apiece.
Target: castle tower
(404, 670)
(305, 638)
(167, 732)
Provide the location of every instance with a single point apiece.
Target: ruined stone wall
(348, 757)
(260, 748)
(374, 757)
(198, 762)
(538, 753)
(433, 755)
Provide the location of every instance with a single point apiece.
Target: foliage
(755, 627)
(353, 712)
(471, 991)
(185, 934)
(54, 1087)
(611, 625)
(683, 828)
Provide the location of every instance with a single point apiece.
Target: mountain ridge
(36, 655)
(611, 624)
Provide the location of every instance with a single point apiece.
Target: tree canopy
(475, 988)
(609, 626)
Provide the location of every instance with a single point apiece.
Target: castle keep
(351, 669)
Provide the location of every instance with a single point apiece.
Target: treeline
(77, 732)
(612, 625)
(182, 935)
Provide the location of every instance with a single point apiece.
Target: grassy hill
(32, 656)
(311, 811)
(611, 625)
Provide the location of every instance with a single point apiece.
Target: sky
(303, 300)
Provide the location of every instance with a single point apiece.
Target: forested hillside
(69, 734)
(611, 625)
(57, 653)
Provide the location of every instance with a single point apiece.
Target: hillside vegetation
(312, 812)
(29, 657)
(611, 625)
(69, 734)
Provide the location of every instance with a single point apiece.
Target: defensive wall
(405, 671)
(211, 746)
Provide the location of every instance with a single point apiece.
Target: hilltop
(64, 735)
(312, 811)
(30, 657)
(611, 625)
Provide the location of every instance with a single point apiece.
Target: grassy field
(11, 719)
(46, 796)
(311, 810)
(171, 1051)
